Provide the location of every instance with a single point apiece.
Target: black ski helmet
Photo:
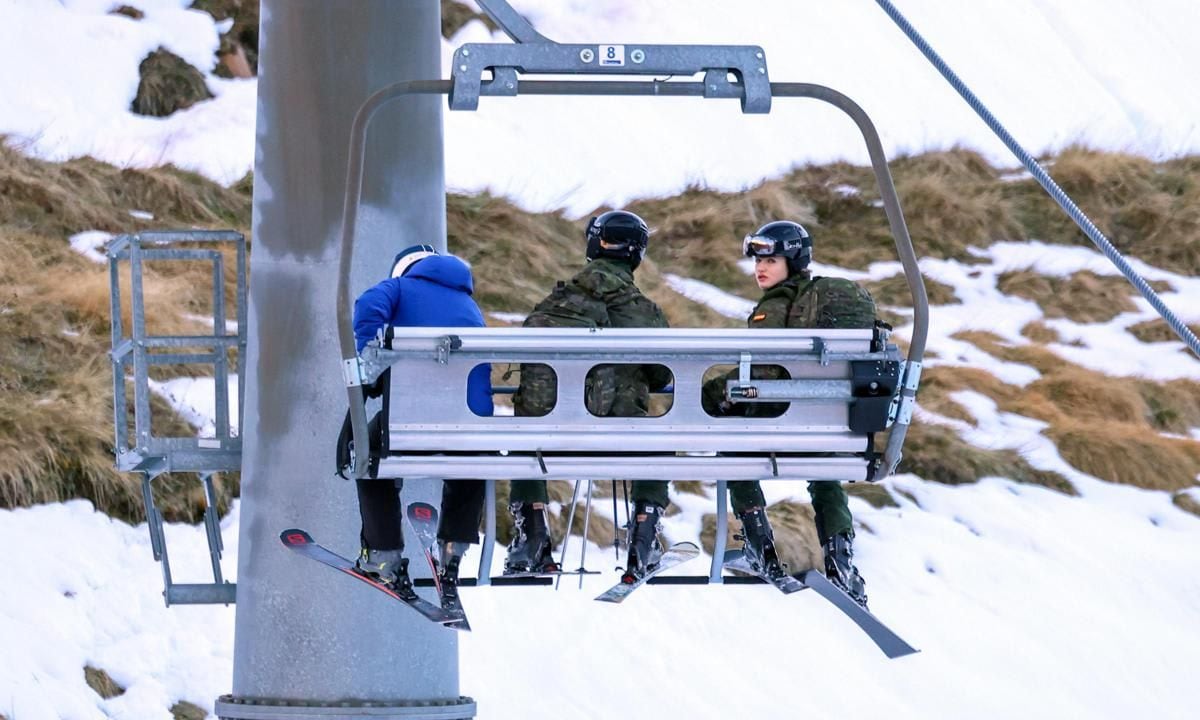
(781, 237)
(623, 234)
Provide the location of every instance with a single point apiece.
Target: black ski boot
(529, 551)
(389, 567)
(449, 558)
(839, 568)
(645, 550)
(758, 543)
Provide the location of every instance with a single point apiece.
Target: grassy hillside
(56, 422)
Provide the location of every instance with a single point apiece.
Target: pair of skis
(423, 518)
(889, 642)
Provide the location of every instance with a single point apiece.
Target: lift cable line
(1039, 173)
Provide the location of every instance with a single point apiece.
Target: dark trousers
(382, 512)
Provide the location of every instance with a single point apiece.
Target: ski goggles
(622, 237)
(758, 246)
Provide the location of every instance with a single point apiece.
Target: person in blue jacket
(425, 289)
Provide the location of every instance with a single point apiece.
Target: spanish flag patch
(758, 317)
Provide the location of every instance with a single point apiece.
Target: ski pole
(562, 558)
(587, 516)
(616, 543)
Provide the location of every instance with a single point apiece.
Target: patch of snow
(508, 317)
(727, 304)
(90, 244)
(141, 215)
(231, 326)
(195, 399)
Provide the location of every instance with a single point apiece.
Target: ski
(786, 584)
(889, 642)
(674, 555)
(423, 518)
(301, 542)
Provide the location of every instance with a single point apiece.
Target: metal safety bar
(152, 455)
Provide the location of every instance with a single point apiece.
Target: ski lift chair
(845, 386)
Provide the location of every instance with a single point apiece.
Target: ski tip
(293, 537)
(422, 511)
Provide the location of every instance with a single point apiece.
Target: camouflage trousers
(743, 495)
(829, 500)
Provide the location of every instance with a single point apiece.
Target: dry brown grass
(1041, 333)
(167, 84)
(184, 710)
(1083, 297)
(101, 682)
(939, 381)
(1157, 330)
(876, 495)
(1172, 406)
(894, 291)
(517, 257)
(1186, 502)
(238, 51)
(456, 14)
(1105, 426)
(1128, 454)
(937, 453)
(56, 434)
(1149, 210)
(951, 201)
(56, 386)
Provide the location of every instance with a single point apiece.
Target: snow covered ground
(1026, 603)
(1106, 73)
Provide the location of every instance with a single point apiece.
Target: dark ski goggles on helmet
(620, 237)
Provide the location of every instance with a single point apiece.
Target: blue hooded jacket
(435, 292)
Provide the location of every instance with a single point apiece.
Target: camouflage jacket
(601, 295)
(798, 302)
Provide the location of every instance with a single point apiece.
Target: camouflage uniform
(801, 301)
(601, 295)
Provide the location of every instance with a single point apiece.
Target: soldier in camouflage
(601, 295)
(793, 298)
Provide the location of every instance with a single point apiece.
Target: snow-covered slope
(1105, 73)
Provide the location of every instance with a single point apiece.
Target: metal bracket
(352, 372)
(748, 63)
(447, 345)
(912, 376)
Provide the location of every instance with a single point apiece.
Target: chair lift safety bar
(797, 444)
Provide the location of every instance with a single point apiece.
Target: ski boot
(645, 550)
(839, 568)
(449, 558)
(529, 551)
(388, 567)
(758, 543)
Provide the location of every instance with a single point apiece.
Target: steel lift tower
(311, 644)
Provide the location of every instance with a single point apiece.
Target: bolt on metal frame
(142, 451)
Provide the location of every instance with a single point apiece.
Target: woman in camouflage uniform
(793, 298)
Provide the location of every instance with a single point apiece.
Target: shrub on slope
(56, 432)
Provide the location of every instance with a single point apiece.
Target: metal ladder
(141, 451)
